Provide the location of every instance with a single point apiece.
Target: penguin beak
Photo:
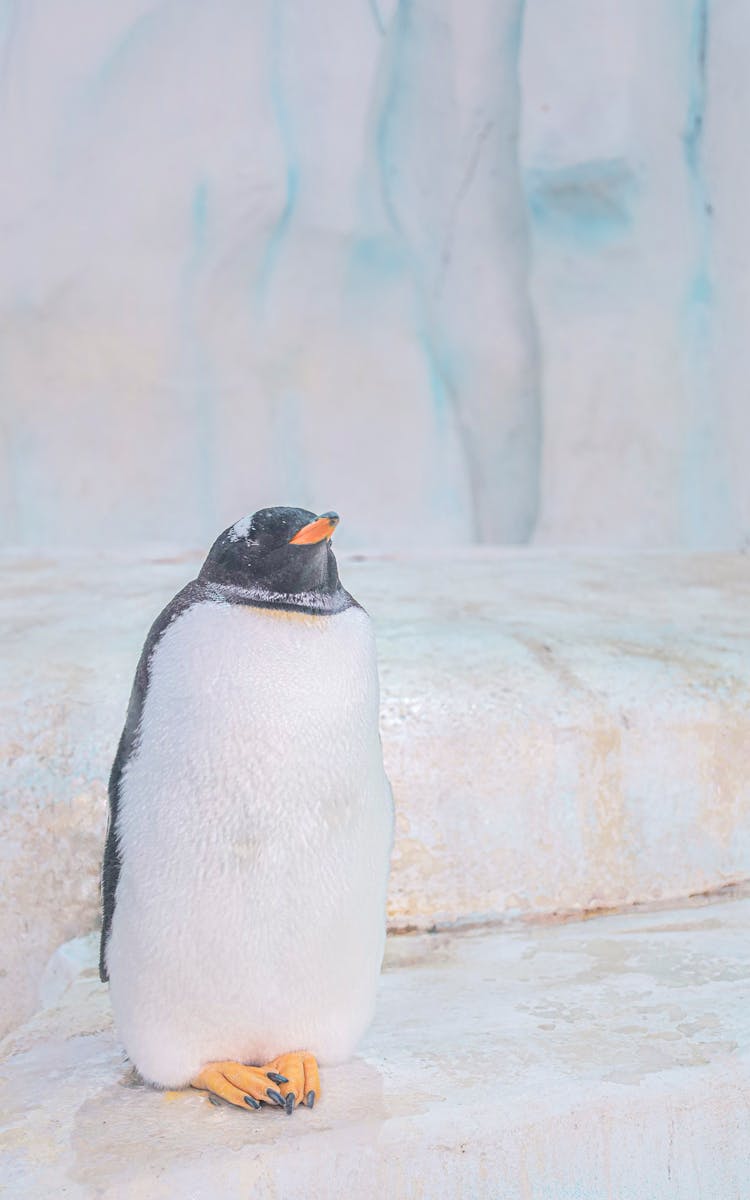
(316, 531)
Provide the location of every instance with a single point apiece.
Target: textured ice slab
(606, 1058)
(628, 121)
(562, 731)
(264, 251)
(443, 266)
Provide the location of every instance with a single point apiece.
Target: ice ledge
(563, 730)
(596, 1059)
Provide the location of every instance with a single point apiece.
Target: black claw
(276, 1078)
(253, 1103)
(310, 1099)
(275, 1096)
(289, 1104)
(215, 1101)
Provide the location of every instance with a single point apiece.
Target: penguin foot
(297, 1076)
(247, 1087)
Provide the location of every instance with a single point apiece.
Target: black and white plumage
(251, 820)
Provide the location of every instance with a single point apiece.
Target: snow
(240, 529)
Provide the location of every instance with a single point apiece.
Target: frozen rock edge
(563, 731)
(605, 1057)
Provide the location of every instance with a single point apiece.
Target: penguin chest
(256, 725)
(255, 826)
(256, 803)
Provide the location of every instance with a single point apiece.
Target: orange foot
(296, 1076)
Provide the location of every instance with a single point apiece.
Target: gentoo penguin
(251, 823)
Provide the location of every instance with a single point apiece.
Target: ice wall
(637, 191)
(463, 271)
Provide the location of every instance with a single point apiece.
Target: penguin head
(278, 554)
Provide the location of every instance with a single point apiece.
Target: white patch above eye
(240, 529)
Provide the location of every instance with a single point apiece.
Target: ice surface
(463, 271)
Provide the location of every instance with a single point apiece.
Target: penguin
(250, 825)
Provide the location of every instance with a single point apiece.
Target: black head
(281, 558)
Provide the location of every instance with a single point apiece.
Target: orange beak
(321, 527)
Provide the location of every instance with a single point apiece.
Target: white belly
(255, 826)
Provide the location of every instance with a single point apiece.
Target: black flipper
(193, 593)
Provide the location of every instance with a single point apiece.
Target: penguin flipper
(192, 593)
(111, 864)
